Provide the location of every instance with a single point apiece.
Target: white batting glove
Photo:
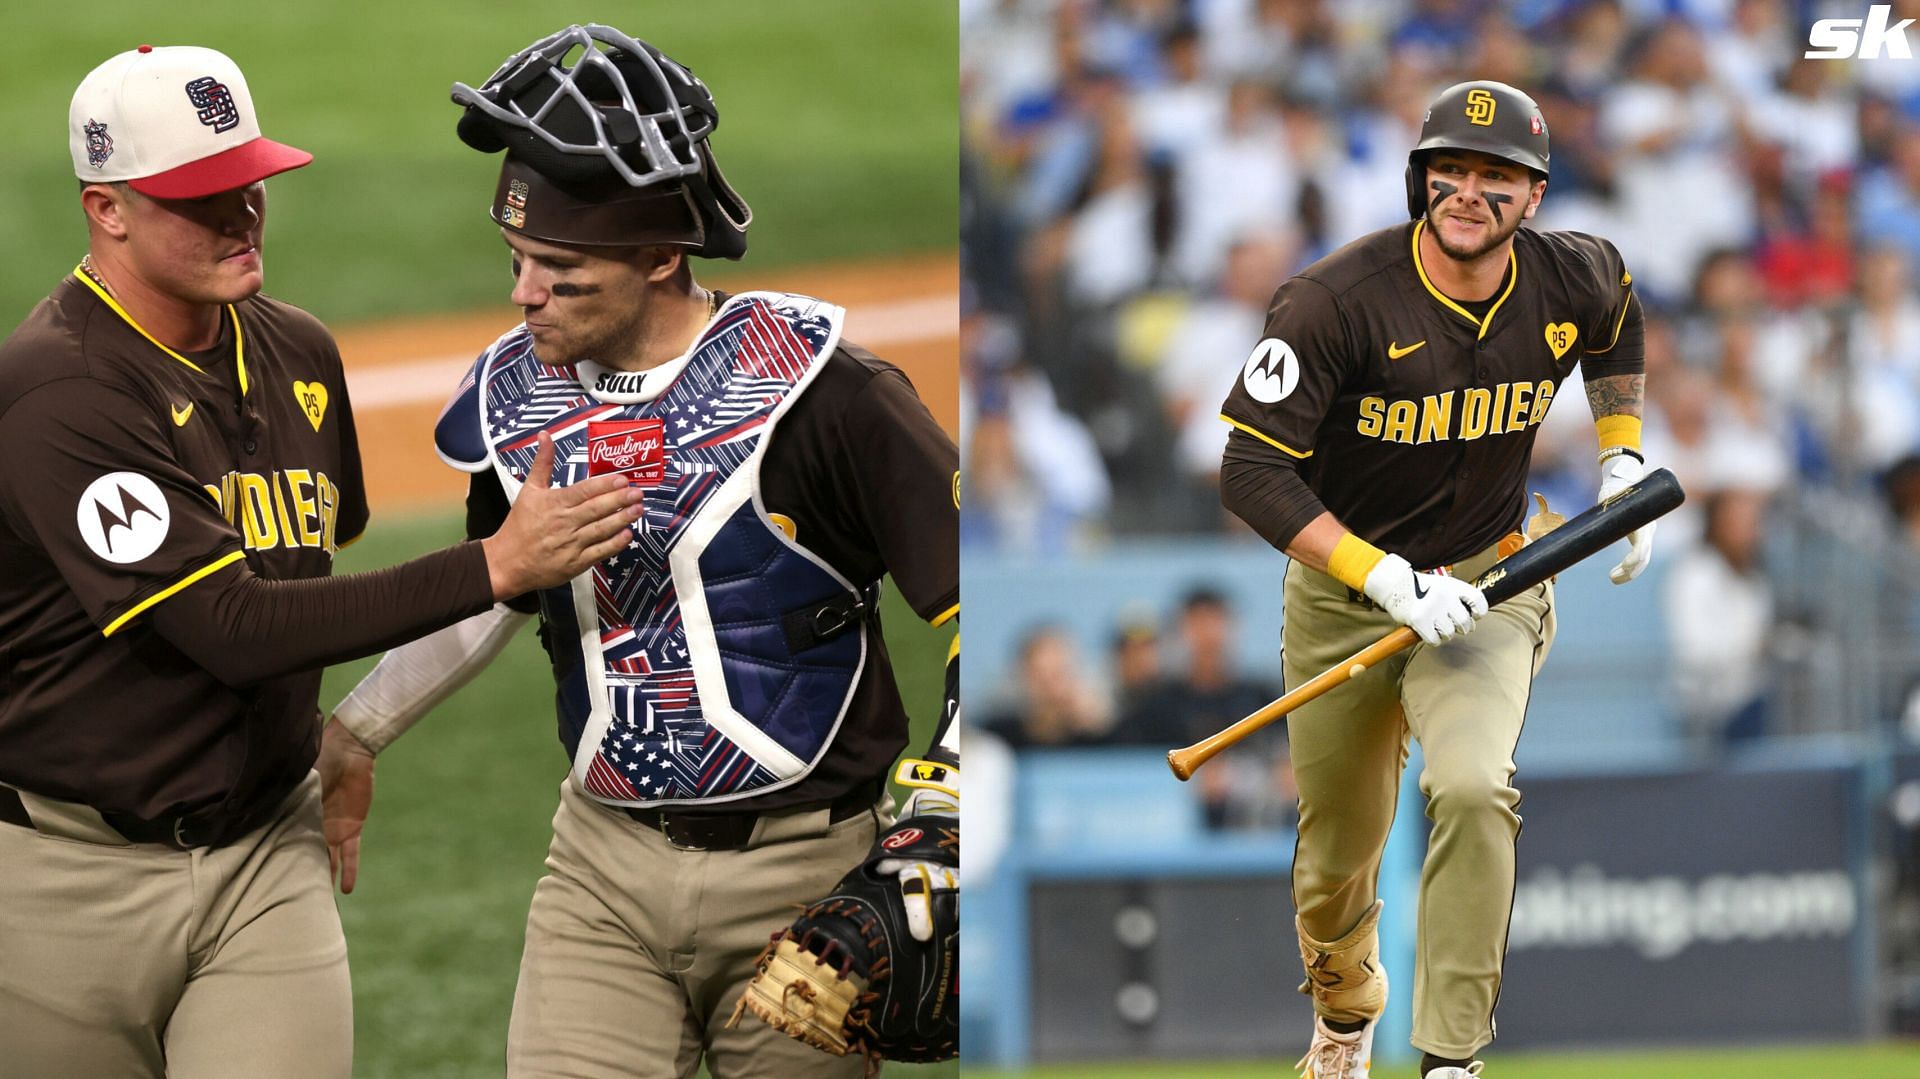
(1434, 605)
(919, 880)
(1617, 473)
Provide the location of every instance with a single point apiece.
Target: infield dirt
(401, 372)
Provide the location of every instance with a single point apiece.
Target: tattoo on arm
(1616, 395)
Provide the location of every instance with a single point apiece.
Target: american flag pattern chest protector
(677, 682)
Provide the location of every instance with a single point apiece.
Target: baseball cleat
(1334, 1055)
(1471, 1071)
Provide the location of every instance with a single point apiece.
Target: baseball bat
(1656, 495)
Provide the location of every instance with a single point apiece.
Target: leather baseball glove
(854, 974)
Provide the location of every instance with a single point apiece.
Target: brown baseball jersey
(1411, 416)
(133, 472)
(866, 478)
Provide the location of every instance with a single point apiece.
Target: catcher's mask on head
(1487, 116)
(611, 150)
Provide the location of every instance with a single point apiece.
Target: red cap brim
(224, 171)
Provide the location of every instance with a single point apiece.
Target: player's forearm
(1617, 401)
(414, 678)
(1263, 497)
(1316, 544)
(1617, 395)
(245, 629)
(1263, 487)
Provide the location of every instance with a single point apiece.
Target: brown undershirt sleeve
(243, 628)
(1628, 353)
(1262, 486)
(487, 509)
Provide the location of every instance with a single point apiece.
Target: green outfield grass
(838, 123)
(1826, 1062)
(460, 825)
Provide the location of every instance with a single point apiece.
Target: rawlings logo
(635, 447)
(905, 837)
(629, 452)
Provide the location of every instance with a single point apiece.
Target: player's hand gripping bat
(1596, 529)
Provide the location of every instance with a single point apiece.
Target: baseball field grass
(460, 824)
(1822, 1062)
(837, 122)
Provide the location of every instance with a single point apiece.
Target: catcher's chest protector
(681, 677)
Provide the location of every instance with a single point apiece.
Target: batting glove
(920, 880)
(1434, 605)
(1617, 473)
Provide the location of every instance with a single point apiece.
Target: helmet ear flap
(478, 132)
(724, 212)
(1416, 185)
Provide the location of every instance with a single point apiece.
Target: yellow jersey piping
(1513, 278)
(1617, 327)
(1268, 439)
(218, 564)
(239, 346)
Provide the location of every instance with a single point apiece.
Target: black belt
(185, 832)
(11, 810)
(732, 831)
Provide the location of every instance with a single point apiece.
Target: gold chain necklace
(86, 267)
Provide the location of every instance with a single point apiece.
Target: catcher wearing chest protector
(724, 841)
(1382, 431)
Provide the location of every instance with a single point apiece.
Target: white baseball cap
(175, 122)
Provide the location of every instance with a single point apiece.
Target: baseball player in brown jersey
(1382, 435)
(724, 693)
(181, 467)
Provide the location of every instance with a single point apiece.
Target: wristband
(1618, 433)
(1352, 559)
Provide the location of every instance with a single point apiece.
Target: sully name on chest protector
(620, 383)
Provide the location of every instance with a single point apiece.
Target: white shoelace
(1330, 1059)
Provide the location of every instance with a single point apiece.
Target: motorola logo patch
(1272, 371)
(123, 517)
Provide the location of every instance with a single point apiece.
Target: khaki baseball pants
(1465, 702)
(136, 961)
(638, 951)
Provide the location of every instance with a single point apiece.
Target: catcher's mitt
(848, 975)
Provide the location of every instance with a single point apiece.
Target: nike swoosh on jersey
(1394, 351)
(181, 415)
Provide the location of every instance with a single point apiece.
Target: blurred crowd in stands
(1137, 176)
(1156, 697)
